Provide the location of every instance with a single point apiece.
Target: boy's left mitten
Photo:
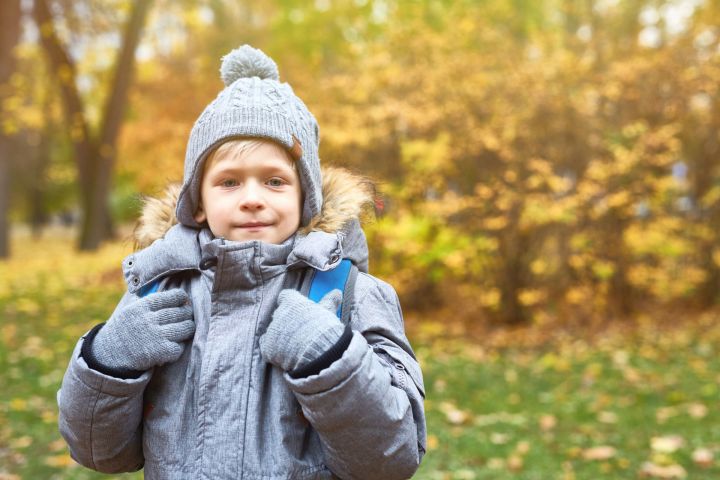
(301, 330)
(146, 333)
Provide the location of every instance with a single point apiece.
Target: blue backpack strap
(173, 280)
(342, 278)
(149, 288)
(163, 283)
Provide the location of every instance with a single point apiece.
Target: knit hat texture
(253, 104)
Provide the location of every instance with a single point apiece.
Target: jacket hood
(347, 198)
(334, 233)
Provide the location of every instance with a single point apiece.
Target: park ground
(633, 398)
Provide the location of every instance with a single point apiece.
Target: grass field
(637, 400)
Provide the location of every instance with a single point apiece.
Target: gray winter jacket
(221, 411)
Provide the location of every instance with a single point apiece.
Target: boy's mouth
(253, 225)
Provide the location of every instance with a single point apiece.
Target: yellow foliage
(603, 270)
(530, 297)
(526, 141)
(539, 266)
(490, 297)
(618, 199)
(62, 460)
(576, 295)
(18, 404)
(495, 223)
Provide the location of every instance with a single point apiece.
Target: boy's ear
(200, 216)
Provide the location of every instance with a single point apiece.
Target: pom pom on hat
(246, 62)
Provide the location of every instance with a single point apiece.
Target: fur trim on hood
(346, 197)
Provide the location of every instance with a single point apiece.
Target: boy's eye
(275, 182)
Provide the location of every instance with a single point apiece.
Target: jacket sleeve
(367, 407)
(100, 417)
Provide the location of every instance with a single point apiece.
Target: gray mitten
(146, 333)
(301, 330)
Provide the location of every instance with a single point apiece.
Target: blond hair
(240, 147)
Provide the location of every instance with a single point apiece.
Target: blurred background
(550, 172)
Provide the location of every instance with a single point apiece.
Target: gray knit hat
(253, 104)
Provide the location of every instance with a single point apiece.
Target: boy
(228, 371)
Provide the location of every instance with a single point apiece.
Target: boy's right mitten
(146, 333)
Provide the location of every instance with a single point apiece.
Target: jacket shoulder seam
(381, 288)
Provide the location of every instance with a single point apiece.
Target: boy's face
(251, 195)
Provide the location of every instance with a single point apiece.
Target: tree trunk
(5, 155)
(705, 160)
(621, 292)
(95, 157)
(512, 276)
(113, 114)
(38, 186)
(9, 34)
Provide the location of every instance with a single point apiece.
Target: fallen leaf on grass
(515, 463)
(667, 444)
(453, 414)
(703, 457)
(59, 444)
(18, 404)
(697, 410)
(568, 472)
(631, 375)
(620, 358)
(522, 447)
(663, 414)
(464, 475)
(607, 417)
(660, 458)
(62, 460)
(603, 452)
(574, 452)
(650, 469)
(499, 438)
(21, 442)
(456, 417)
(496, 463)
(49, 416)
(548, 422)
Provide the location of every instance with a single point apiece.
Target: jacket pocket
(401, 366)
(407, 376)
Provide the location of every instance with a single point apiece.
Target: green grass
(519, 410)
(519, 413)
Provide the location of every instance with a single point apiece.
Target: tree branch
(64, 68)
(117, 97)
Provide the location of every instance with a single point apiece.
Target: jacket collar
(240, 262)
(177, 251)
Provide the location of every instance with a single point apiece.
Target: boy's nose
(252, 198)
